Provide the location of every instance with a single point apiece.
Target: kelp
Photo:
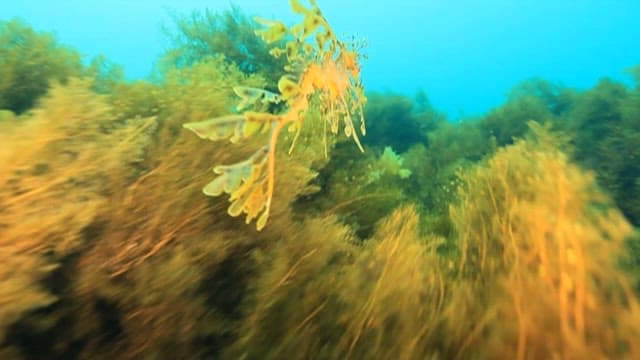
(324, 73)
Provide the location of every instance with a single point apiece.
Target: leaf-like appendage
(230, 178)
(215, 129)
(233, 127)
(251, 96)
(297, 7)
(260, 117)
(288, 87)
(275, 30)
(245, 182)
(310, 24)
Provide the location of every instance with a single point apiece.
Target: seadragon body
(321, 69)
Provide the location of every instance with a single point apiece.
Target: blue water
(465, 54)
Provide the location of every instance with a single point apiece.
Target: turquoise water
(466, 55)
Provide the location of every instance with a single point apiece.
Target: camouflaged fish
(321, 69)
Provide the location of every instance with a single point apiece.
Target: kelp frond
(323, 73)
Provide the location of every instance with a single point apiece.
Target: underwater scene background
(341, 220)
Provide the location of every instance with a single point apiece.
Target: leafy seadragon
(321, 70)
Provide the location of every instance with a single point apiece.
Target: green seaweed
(29, 62)
(231, 34)
(398, 121)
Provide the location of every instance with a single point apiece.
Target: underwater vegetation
(509, 235)
(534, 226)
(397, 115)
(231, 34)
(29, 61)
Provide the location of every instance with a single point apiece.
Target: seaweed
(398, 121)
(199, 36)
(508, 122)
(605, 123)
(326, 297)
(540, 245)
(29, 62)
(55, 183)
(157, 230)
(477, 239)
